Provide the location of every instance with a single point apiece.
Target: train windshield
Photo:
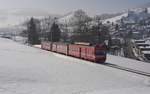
(100, 52)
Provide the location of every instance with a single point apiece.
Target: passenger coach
(95, 53)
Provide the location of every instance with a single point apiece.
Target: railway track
(127, 69)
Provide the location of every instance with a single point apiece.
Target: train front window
(100, 53)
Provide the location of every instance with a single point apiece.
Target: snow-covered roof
(144, 47)
(148, 10)
(146, 52)
(136, 32)
(139, 41)
(142, 44)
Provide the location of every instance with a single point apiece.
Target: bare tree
(81, 23)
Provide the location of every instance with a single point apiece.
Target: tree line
(84, 29)
(33, 32)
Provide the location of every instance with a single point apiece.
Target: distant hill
(138, 12)
(107, 16)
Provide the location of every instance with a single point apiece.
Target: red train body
(62, 48)
(95, 53)
(88, 53)
(74, 50)
(54, 47)
(46, 46)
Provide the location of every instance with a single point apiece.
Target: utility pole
(52, 35)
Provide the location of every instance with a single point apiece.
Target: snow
(115, 19)
(146, 52)
(142, 43)
(144, 47)
(149, 10)
(28, 70)
(133, 15)
(140, 40)
(129, 63)
(66, 19)
(126, 90)
(135, 53)
(37, 46)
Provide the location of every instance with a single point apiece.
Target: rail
(127, 69)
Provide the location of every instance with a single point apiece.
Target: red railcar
(74, 50)
(100, 53)
(87, 52)
(94, 53)
(62, 48)
(54, 47)
(46, 46)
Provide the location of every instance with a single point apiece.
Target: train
(95, 53)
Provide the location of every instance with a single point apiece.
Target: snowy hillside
(138, 12)
(66, 18)
(27, 70)
(115, 19)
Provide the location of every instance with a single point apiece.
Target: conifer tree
(33, 37)
(55, 33)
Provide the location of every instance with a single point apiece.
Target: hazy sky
(15, 11)
(64, 6)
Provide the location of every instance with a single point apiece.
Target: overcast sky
(64, 6)
(45, 7)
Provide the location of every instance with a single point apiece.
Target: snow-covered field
(27, 70)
